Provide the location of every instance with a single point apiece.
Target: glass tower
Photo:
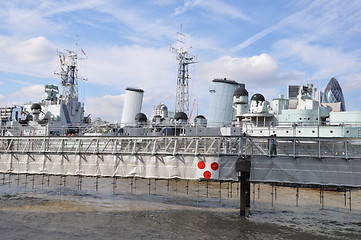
(333, 94)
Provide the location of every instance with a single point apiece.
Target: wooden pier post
(243, 168)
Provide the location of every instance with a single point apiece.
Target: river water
(87, 208)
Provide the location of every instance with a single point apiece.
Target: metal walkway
(300, 160)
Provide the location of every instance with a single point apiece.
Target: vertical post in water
(33, 182)
(48, 181)
(131, 185)
(254, 192)
(243, 168)
(349, 197)
(220, 191)
(80, 180)
(10, 179)
(155, 186)
(272, 193)
(64, 180)
(42, 181)
(96, 183)
(207, 188)
(18, 179)
(228, 190)
(114, 184)
(231, 190)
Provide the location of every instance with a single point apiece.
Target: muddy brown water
(142, 209)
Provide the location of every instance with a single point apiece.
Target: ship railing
(182, 145)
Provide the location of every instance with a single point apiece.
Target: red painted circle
(207, 174)
(214, 166)
(201, 165)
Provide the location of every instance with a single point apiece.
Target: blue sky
(267, 45)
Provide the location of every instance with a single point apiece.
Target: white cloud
(34, 56)
(326, 60)
(140, 23)
(20, 82)
(36, 17)
(4, 101)
(33, 93)
(315, 21)
(251, 71)
(256, 37)
(107, 107)
(215, 7)
(32, 50)
(260, 74)
(131, 66)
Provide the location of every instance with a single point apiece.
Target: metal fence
(233, 146)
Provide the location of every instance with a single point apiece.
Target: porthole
(331, 131)
(299, 131)
(286, 131)
(313, 131)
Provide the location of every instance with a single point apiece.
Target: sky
(267, 45)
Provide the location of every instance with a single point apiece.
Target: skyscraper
(333, 94)
(293, 91)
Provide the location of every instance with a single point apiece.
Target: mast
(185, 59)
(69, 74)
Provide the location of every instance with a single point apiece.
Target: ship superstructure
(57, 114)
(240, 115)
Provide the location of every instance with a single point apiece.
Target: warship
(305, 113)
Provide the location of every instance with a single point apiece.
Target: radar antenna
(185, 59)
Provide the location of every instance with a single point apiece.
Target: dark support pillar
(243, 168)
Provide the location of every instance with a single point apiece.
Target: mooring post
(18, 179)
(349, 197)
(254, 192)
(42, 181)
(131, 185)
(231, 190)
(9, 179)
(64, 181)
(207, 188)
(220, 191)
(272, 193)
(243, 168)
(33, 182)
(96, 183)
(114, 184)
